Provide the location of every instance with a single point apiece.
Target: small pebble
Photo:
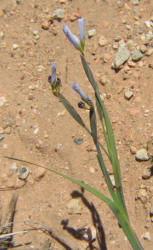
(91, 33)
(149, 36)
(121, 57)
(136, 2)
(15, 46)
(102, 41)
(45, 25)
(131, 64)
(40, 68)
(148, 23)
(151, 209)
(107, 57)
(103, 96)
(1, 137)
(136, 55)
(74, 16)
(58, 14)
(63, 1)
(117, 38)
(112, 180)
(128, 26)
(23, 172)
(36, 131)
(142, 155)
(2, 101)
(133, 150)
(18, 2)
(143, 48)
(149, 52)
(142, 195)
(35, 32)
(78, 141)
(129, 43)
(115, 46)
(146, 236)
(146, 173)
(128, 93)
(103, 80)
(39, 173)
(74, 206)
(92, 170)
(1, 34)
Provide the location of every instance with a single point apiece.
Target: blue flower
(52, 78)
(54, 81)
(83, 96)
(81, 28)
(76, 42)
(72, 38)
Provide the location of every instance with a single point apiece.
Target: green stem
(124, 223)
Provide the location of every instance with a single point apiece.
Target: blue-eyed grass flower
(76, 42)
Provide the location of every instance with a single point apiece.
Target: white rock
(91, 33)
(58, 14)
(128, 93)
(142, 155)
(112, 179)
(2, 100)
(121, 57)
(103, 96)
(74, 207)
(15, 46)
(1, 34)
(146, 236)
(102, 41)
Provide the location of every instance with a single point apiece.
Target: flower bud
(71, 37)
(83, 96)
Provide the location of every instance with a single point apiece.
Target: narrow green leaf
(80, 183)
(93, 124)
(105, 172)
(109, 136)
(72, 112)
(88, 72)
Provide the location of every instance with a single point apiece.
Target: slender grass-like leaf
(122, 219)
(72, 112)
(93, 124)
(78, 182)
(108, 133)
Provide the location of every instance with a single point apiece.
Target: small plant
(117, 202)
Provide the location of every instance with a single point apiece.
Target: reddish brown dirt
(29, 104)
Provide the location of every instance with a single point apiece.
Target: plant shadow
(86, 233)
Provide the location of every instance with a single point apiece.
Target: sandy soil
(37, 128)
